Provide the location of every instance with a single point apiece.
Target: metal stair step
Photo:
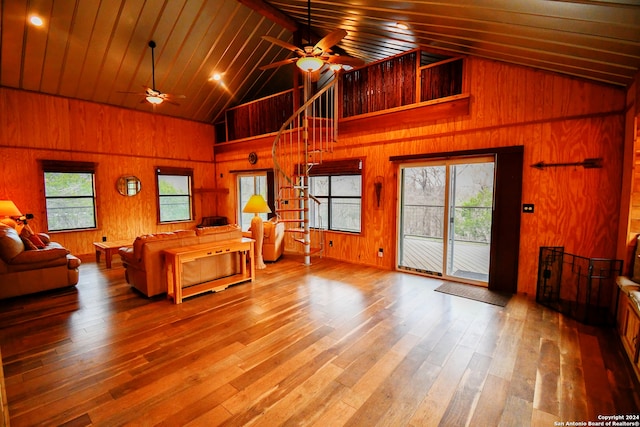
(312, 251)
(294, 230)
(293, 210)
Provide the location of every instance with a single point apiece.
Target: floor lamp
(257, 205)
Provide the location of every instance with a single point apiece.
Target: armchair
(273, 243)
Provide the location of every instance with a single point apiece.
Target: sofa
(26, 268)
(273, 243)
(144, 260)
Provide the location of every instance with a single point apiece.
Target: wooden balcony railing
(399, 81)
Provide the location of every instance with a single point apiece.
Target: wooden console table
(176, 257)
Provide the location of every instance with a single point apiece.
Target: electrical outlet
(527, 208)
(330, 243)
(380, 253)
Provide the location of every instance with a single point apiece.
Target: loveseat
(144, 261)
(29, 269)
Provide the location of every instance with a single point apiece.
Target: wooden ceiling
(96, 49)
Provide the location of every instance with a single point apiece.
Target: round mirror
(128, 185)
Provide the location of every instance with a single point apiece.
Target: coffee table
(109, 248)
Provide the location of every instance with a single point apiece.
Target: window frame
(173, 171)
(330, 169)
(70, 167)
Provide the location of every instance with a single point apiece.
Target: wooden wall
(121, 142)
(555, 118)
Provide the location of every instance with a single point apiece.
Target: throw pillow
(37, 241)
(28, 245)
(27, 233)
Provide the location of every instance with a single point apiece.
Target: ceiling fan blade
(283, 44)
(330, 40)
(345, 60)
(278, 64)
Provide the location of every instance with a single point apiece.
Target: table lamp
(257, 205)
(8, 209)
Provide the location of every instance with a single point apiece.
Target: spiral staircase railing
(300, 144)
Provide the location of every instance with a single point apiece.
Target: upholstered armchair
(273, 243)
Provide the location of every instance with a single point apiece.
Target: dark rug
(477, 293)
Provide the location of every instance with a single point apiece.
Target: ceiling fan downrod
(309, 22)
(152, 45)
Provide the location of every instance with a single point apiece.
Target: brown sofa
(144, 261)
(28, 270)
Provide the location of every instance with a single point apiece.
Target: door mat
(473, 292)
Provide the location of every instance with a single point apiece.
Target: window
(248, 185)
(175, 201)
(70, 200)
(338, 187)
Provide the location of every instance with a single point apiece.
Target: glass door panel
(248, 185)
(445, 218)
(421, 245)
(470, 210)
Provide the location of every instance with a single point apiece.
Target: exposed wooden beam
(272, 14)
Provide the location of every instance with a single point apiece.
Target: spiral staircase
(301, 143)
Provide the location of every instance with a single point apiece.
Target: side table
(109, 248)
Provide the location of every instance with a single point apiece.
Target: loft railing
(398, 81)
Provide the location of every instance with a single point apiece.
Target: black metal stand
(582, 288)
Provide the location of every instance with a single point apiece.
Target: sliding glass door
(445, 218)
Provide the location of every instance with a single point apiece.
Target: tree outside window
(174, 194)
(70, 199)
(340, 205)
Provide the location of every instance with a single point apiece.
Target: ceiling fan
(152, 95)
(312, 58)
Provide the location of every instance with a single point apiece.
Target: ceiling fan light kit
(153, 99)
(310, 63)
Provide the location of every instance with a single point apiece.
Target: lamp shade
(310, 63)
(256, 204)
(8, 208)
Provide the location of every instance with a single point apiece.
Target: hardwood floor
(327, 344)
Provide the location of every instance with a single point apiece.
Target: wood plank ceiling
(96, 49)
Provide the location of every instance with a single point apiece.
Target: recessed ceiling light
(36, 20)
(216, 77)
(402, 25)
